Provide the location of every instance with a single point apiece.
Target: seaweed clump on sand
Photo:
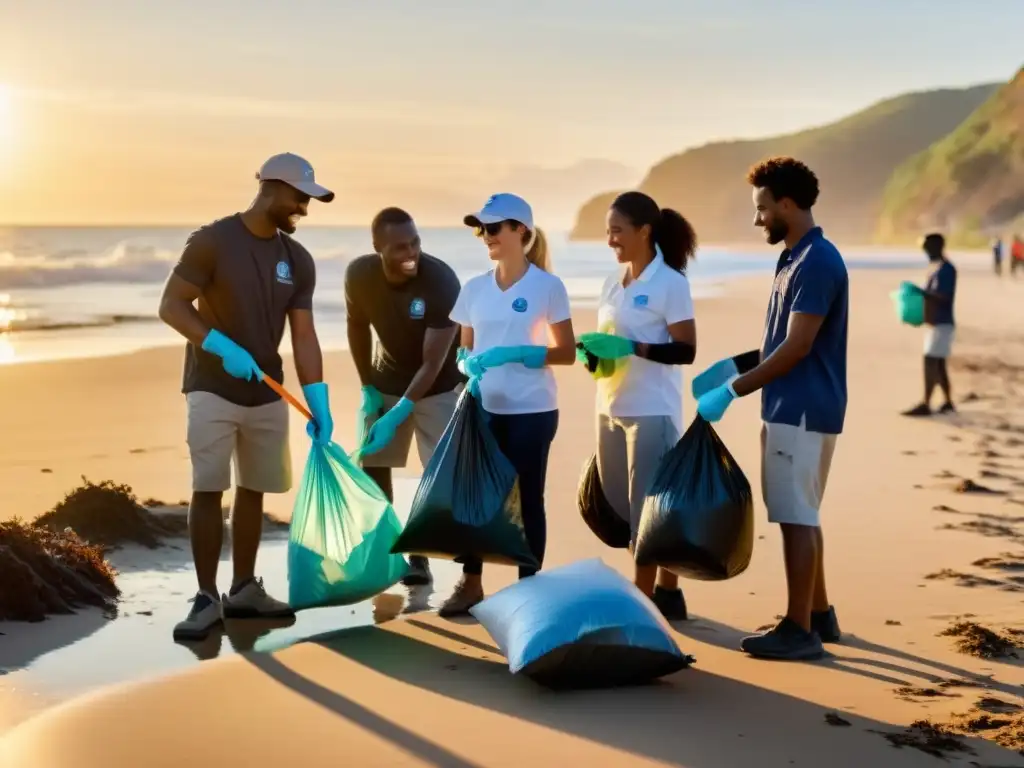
(44, 572)
(982, 642)
(110, 515)
(931, 738)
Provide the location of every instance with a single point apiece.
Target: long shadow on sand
(37, 639)
(892, 667)
(694, 718)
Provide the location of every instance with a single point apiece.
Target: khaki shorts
(629, 451)
(429, 419)
(256, 437)
(938, 341)
(794, 469)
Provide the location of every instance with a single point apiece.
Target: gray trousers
(629, 450)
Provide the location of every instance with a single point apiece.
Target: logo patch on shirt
(519, 305)
(641, 300)
(284, 273)
(417, 309)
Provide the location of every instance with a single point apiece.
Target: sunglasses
(490, 229)
(494, 229)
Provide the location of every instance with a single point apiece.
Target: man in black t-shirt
(248, 276)
(410, 384)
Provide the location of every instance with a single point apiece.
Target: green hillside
(853, 158)
(969, 184)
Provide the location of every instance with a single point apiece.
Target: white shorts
(794, 469)
(938, 341)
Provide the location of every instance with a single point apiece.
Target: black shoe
(826, 625)
(419, 572)
(787, 641)
(671, 603)
(918, 410)
(947, 408)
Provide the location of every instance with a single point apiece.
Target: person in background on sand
(939, 295)
(248, 276)
(648, 308)
(1016, 254)
(997, 255)
(802, 378)
(508, 317)
(410, 384)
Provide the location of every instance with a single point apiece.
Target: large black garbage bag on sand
(467, 502)
(698, 517)
(610, 527)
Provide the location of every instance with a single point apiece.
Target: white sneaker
(205, 615)
(253, 602)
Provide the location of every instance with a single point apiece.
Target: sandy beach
(911, 548)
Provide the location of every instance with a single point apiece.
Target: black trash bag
(698, 517)
(597, 513)
(467, 502)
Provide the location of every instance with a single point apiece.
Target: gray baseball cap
(296, 172)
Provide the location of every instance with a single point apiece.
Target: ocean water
(87, 291)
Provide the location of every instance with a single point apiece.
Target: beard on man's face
(282, 219)
(776, 232)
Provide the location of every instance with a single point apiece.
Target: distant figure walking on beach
(997, 255)
(516, 323)
(410, 384)
(645, 314)
(939, 295)
(248, 276)
(1016, 254)
(802, 378)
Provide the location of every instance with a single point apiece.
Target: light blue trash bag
(342, 531)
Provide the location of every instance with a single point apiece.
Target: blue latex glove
(715, 376)
(530, 356)
(468, 364)
(369, 409)
(236, 360)
(713, 404)
(322, 427)
(607, 346)
(383, 430)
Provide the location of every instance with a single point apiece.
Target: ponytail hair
(536, 245)
(670, 231)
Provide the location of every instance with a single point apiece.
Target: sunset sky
(127, 111)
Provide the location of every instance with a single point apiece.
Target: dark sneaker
(418, 573)
(204, 616)
(826, 625)
(250, 600)
(787, 641)
(947, 408)
(919, 410)
(462, 599)
(671, 603)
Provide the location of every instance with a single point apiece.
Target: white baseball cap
(296, 172)
(502, 207)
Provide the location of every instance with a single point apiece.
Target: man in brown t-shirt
(248, 276)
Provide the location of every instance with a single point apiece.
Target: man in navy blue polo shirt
(802, 378)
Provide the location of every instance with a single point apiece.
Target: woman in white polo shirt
(515, 323)
(646, 324)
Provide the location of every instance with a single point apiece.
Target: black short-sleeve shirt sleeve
(305, 276)
(198, 260)
(439, 310)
